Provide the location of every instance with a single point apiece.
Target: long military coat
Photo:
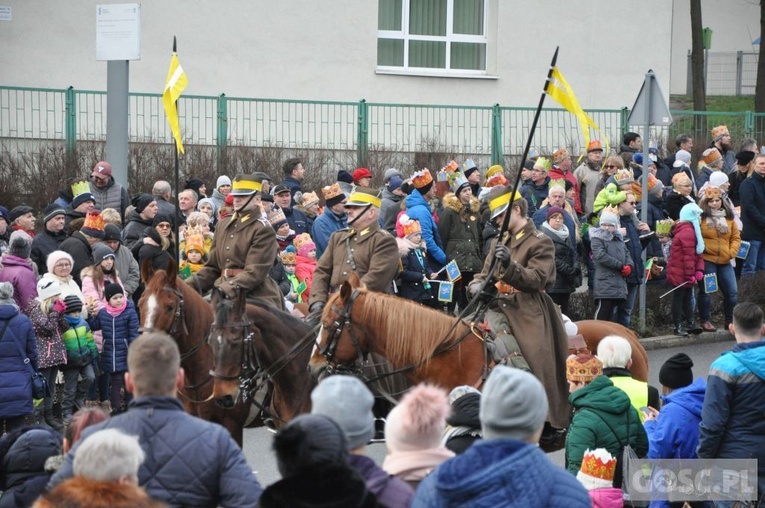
(534, 318)
(244, 241)
(375, 254)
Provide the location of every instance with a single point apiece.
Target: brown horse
(430, 345)
(255, 344)
(170, 305)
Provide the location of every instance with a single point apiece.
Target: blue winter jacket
(419, 209)
(189, 462)
(15, 377)
(118, 333)
(752, 199)
(323, 227)
(732, 423)
(635, 246)
(675, 433)
(501, 472)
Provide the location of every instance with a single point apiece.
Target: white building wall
(735, 24)
(326, 50)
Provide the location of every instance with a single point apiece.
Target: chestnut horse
(430, 345)
(170, 305)
(254, 345)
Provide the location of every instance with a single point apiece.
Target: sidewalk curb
(670, 341)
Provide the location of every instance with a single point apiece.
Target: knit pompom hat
(20, 244)
(419, 420)
(56, 256)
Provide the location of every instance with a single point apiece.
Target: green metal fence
(31, 116)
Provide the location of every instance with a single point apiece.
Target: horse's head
(339, 343)
(161, 303)
(231, 340)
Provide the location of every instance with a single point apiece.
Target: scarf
(116, 311)
(717, 220)
(562, 233)
(417, 464)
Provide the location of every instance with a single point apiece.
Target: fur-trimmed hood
(452, 202)
(80, 492)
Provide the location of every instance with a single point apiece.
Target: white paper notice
(6, 14)
(118, 32)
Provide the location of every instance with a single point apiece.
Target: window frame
(448, 39)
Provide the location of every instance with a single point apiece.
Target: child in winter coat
(80, 352)
(415, 269)
(49, 322)
(597, 476)
(293, 293)
(196, 256)
(284, 235)
(613, 264)
(685, 266)
(305, 262)
(119, 323)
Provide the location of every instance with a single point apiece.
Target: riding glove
(502, 253)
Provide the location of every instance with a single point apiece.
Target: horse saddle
(501, 343)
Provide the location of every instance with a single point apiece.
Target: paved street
(257, 442)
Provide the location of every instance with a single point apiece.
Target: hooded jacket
(323, 227)
(460, 230)
(535, 194)
(603, 418)
(752, 200)
(610, 255)
(18, 271)
(15, 379)
(501, 472)
(683, 261)
(48, 329)
(134, 229)
(24, 474)
(720, 248)
(118, 333)
(391, 205)
(418, 208)
(674, 434)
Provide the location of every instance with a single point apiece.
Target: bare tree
(759, 91)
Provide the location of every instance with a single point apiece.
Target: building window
(426, 35)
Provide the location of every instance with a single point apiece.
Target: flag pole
(506, 220)
(176, 220)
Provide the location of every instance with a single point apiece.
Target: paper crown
(496, 180)
(664, 226)
(598, 469)
(494, 170)
(719, 131)
(624, 176)
(331, 191)
(195, 242)
(458, 182)
(309, 199)
(583, 367)
(712, 193)
(594, 145)
(558, 182)
(559, 155)
(711, 155)
(543, 163)
(80, 188)
(277, 218)
(680, 179)
(442, 176)
(410, 226)
(93, 223)
(301, 240)
(470, 164)
(452, 166)
(288, 258)
(422, 178)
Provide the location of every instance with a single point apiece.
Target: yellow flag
(561, 91)
(174, 86)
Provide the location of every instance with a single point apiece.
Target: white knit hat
(47, 288)
(56, 256)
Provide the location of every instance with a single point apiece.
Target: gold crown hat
(499, 198)
(94, 225)
(720, 131)
(422, 178)
(597, 470)
(277, 218)
(664, 226)
(80, 188)
(195, 241)
(544, 163)
(495, 180)
(560, 155)
(362, 196)
(712, 193)
(711, 155)
(246, 185)
(301, 240)
(470, 164)
(624, 176)
(288, 258)
(459, 183)
(410, 226)
(594, 146)
(583, 367)
(310, 199)
(559, 182)
(333, 194)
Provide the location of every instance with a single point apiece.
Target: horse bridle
(248, 371)
(335, 331)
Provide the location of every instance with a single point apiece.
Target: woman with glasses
(613, 164)
(157, 243)
(721, 243)
(679, 196)
(60, 265)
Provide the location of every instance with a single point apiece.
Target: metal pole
(644, 198)
(117, 85)
(177, 221)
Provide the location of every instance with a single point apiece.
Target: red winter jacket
(683, 261)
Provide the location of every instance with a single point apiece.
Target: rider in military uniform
(244, 249)
(521, 274)
(363, 247)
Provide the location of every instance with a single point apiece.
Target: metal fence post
(748, 124)
(70, 123)
(222, 129)
(496, 135)
(624, 123)
(739, 71)
(363, 134)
